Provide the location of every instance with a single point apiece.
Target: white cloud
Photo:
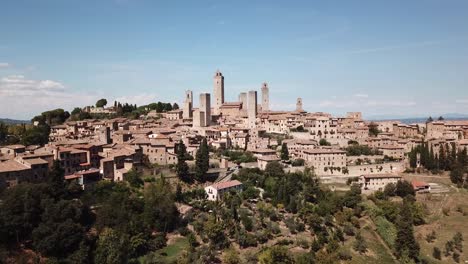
(18, 85)
(4, 65)
(461, 101)
(22, 98)
(361, 95)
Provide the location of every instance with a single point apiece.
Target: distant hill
(14, 121)
(410, 120)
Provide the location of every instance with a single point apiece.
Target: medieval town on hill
(230, 182)
(336, 148)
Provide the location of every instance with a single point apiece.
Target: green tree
(284, 152)
(436, 253)
(3, 132)
(324, 142)
(56, 180)
(202, 160)
(404, 188)
(274, 169)
(458, 241)
(76, 111)
(160, 212)
(231, 256)
(360, 244)
(456, 175)
(405, 242)
(373, 129)
(112, 247)
(101, 102)
(133, 177)
(182, 169)
(275, 255)
(389, 190)
(442, 158)
(214, 230)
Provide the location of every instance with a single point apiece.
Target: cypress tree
(405, 243)
(56, 180)
(462, 158)
(430, 160)
(442, 158)
(453, 156)
(284, 152)
(202, 162)
(413, 158)
(182, 168)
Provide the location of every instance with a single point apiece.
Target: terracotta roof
(36, 161)
(225, 185)
(262, 151)
(11, 166)
(380, 176)
(269, 158)
(418, 184)
(14, 146)
(324, 151)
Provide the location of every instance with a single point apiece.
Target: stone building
(218, 81)
(265, 98)
(252, 109)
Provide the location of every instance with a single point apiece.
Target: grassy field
(377, 252)
(445, 219)
(170, 253)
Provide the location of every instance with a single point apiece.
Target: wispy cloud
(395, 47)
(21, 97)
(18, 85)
(361, 95)
(461, 101)
(4, 65)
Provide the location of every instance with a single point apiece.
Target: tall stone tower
(205, 109)
(299, 105)
(188, 104)
(218, 81)
(265, 98)
(243, 100)
(252, 108)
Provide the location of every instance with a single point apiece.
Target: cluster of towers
(247, 103)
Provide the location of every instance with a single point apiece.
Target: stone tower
(299, 105)
(265, 98)
(188, 104)
(205, 109)
(243, 100)
(104, 135)
(252, 108)
(218, 81)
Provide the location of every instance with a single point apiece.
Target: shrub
(446, 211)
(431, 237)
(436, 253)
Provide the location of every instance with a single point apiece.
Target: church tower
(218, 81)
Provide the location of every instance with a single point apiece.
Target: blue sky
(397, 58)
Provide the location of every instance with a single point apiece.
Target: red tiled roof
(225, 185)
